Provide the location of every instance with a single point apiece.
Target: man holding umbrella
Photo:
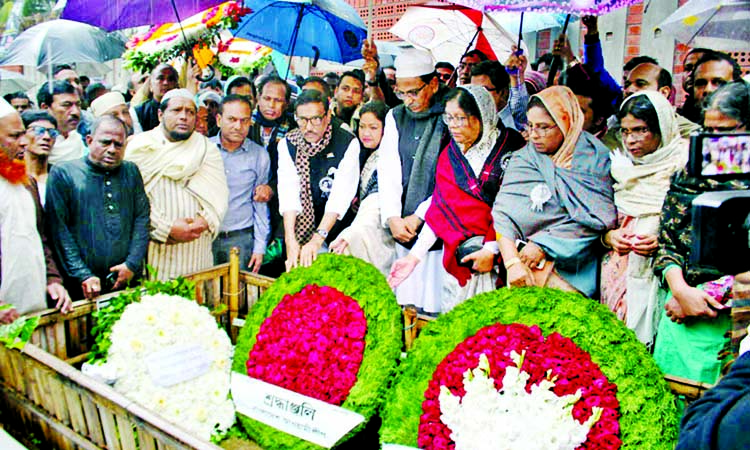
(406, 169)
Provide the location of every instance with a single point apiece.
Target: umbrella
(326, 29)
(532, 21)
(120, 14)
(62, 42)
(577, 7)
(720, 25)
(13, 82)
(448, 31)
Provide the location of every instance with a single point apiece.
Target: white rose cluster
(155, 325)
(511, 418)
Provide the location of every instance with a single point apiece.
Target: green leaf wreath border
(362, 282)
(649, 417)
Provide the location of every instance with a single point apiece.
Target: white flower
(162, 322)
(511, 418)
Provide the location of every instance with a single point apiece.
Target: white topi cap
(413, 63)
(6, 108)
(184, 93)
(105, 102)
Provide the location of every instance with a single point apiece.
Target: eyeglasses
(540, 130)
(722, 129)
(637, 132)
(445, 76)
(315, 121)
(412, 94)
(40, 131)
(459, 121)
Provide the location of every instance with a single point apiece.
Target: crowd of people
(450, 182)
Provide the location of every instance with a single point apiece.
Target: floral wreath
(648, 417)
(344, 301)
(160, 322)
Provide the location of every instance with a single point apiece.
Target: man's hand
(532, 255)
(400, 230)
(562, 48)
(339, 246)
(369, 51)
(519, 275)
(696, 303)
(263, 193)
(60, 295)
(484, 260)
(645, 244)
(92, 287)
(256, 260)
(619, 240)
(310, 250)
(8, 315)
(516, 64)
(184, 230)
(124, 275)
(292, 253)
(413, 222)
(592, 24)
(401, 269)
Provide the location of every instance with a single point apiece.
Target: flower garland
(155, 325)
(165, 42)
(554, 358)
(648, 416)
(351, 278)
(320, 332)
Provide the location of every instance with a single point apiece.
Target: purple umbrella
(120, 14)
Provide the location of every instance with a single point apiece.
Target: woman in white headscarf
(469, 172)
(653, 151)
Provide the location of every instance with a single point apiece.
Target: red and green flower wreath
(331, 331)
(580, 341)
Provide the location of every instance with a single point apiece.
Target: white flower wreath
(191, 389)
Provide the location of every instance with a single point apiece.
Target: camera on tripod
(721, 219)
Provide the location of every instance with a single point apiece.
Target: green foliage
(649, 418)
(383, 341)
(109, 314)
(31, 7)
(18, 333)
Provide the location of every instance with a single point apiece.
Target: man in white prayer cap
(406, 171)
(113, 104)
(184, 177)
(27, 271)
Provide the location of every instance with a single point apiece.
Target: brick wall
(633, 32)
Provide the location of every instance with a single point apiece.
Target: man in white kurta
(183, 174)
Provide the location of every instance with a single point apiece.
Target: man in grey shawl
(406, 171)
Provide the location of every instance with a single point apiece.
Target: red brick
(634, 40)
(635, 9)
(635, 19)
(634, 30)
(633, 50)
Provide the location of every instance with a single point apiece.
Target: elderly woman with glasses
(469, 172)
(691, 332)
(654, 150)
(556, 199)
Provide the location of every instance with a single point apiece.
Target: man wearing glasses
(318, 177)
(445, 71)
(406, 170)
(41, 133)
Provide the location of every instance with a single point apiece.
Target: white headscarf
(488, 113)
(641, 184)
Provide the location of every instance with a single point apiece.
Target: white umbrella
(448, 31)
(718, 25)
(13, 82)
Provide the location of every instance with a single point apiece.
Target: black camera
(721, 219)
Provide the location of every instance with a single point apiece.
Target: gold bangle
(511, 262)
(603, 239)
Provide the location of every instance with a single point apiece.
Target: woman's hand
(401, 269)
(532, 255)
(674, 311)
(519, 275)
(696, 303)
(339, 246)
(619, 240)
(309, 251)
(484, 260)
(292, 253)
(400, 230)
(645, 244)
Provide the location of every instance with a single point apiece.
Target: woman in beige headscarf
(654, 150)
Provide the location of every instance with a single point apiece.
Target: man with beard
(319, 169)
(113, 104)
(98, 214)
(184, 177)
(348, 95)
(406, 170)
(62, 101)
(27, 269)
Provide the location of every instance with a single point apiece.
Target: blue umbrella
(326, 29)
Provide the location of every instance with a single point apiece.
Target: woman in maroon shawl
(469, 172)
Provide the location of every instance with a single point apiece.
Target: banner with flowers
(331, 332)
(577, 378)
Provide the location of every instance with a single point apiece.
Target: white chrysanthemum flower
(511, 418)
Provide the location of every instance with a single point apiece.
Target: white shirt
(389, 172)
(344, 187)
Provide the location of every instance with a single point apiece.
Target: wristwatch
(323, 233)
